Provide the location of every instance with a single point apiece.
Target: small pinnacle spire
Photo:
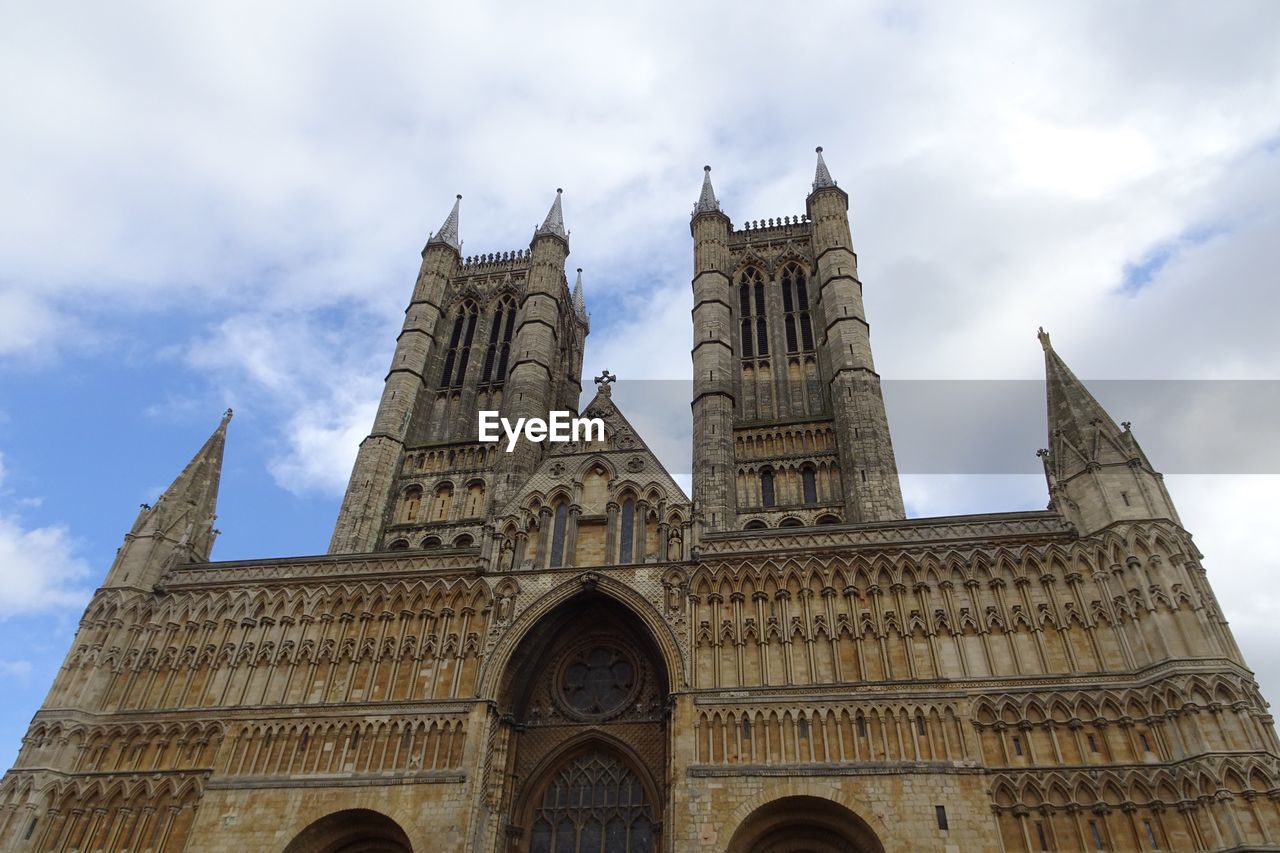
(1044, 339)
(707, 201)
(448, 233)
(822, 178)
(554, 223)
(580, 301)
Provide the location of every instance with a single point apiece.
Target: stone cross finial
(604, 380)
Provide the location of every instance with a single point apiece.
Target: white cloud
(16, 669)
(39, 569)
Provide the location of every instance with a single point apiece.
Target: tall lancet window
(766, 488)
(498, 352)
(795, 307)
(809, 484)
(557, 535)
(627, 531)
(755, 330)
(459, 352)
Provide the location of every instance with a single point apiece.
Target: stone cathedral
(556, 649)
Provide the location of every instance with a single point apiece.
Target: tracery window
(795, 307)
(755, 329)
(499, 349)
(459, 352)
(627, 530)
(595, 804)
(596, 681)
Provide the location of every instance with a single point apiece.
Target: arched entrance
(352, 831)
(584, 699)
(804, 825)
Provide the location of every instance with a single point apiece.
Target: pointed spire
(554, 223)
(448, 233)
(179, 528)
(187, 509)
(580, 301)
(1074, 414)
(707, 201)
(1096, 471)
(822, 178)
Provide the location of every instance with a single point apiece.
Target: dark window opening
(766, 488)
(809, 485)
(627, 530)
(557, 535)
(940, 812)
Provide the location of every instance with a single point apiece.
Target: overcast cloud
(268, 172)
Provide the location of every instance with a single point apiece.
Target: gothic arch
(495, 666)
(351, 831)
(760, 823)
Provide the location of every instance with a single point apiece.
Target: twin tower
(789, 422)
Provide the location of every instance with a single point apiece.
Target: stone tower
(789, 422)
(497, 332)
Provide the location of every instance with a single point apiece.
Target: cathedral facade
(556, 649)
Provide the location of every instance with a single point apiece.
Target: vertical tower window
(459, 352)
(940, 812)
(1044, 842)
(412, 503)
(498, 352)
(809, 484)
(626, 530)
(557, 534)
(795, 307)
(751, 308)
(766, 488)
(1097, 836)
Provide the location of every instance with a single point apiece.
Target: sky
(215, 206)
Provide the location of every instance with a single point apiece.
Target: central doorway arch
(585, 698)
(352, 831)
(804, 824)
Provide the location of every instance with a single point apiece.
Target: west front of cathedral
(555, 649)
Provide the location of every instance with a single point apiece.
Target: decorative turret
(869, 471)
(714, 367)
(448, 233)
(1096, 472)
(369, 490)
(179, 527)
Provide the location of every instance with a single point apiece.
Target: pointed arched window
(626, 531)
(755, 329)
(557, 534)
(809, 484)
(795, 307)
(498, 352)
(766, 487)
(459, 352)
